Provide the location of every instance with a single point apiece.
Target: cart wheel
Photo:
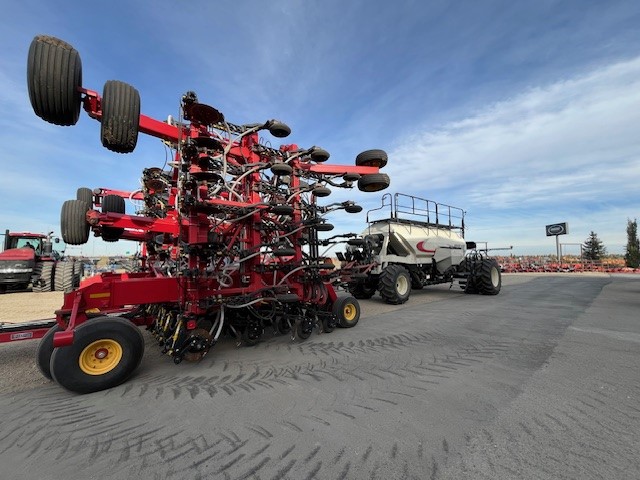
(54, 77)
(113, 204)
(45, 350)
(105, 352)
(347, 311)
(373, 182)
(120, 117)
(73, 222)
(372, 158)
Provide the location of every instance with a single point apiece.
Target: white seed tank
(416, 244)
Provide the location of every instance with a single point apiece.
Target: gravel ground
(17, 358)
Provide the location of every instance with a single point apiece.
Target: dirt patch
(20, 307)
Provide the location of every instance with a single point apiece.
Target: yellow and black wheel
(104, 354)
(347, 311)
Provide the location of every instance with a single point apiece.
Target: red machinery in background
(230, 232)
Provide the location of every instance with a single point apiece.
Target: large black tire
(347, 311)
(372, 158)
(104, 353)
(86, 195)
(73, 222)
(362, 290)
(112, 204)
(373, 182)
(44, 283)
(489, 280)
(54, 77)
(64, 278)
(45, 350)
(395, 284)
(471, 268)
(120, 117)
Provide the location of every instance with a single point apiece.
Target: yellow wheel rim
(349, 312)
(100, 357)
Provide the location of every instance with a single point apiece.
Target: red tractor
(29, 258)
(229, 231)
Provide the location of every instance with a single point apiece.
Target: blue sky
(521, 113)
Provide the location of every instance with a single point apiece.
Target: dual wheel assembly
(104, 354)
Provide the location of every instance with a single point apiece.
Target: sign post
(557, 229)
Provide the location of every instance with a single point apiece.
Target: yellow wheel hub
(100, 357)
(349, 312)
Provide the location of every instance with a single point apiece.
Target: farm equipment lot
(540, 381)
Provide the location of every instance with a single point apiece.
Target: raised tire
(104, 354)
(44, 283)
(73, 222)
(86, 195)
(54, 79)
(112, 204)
(321, 191)
(373, 182)
(45, 350)
(120, 117)
(489, 279)
(395, 284)
(372, 158)
(319, 155)
(281, 169)
(346, 311)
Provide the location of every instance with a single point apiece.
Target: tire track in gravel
(382, 374)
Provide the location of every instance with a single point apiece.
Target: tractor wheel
(54, 77)
(3, 289)
(104, 353)
(112, 204)
(372, 158)
(45, 350)
(86, 195)
(73, 222)
(395, 284)
(373, 182)
(64, 280)
(347, 311)
(362, 290)
(489, 278)
(78, 268)
(44, 283)
(120, 117)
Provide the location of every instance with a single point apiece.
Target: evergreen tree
(593, 248)
(632, 254)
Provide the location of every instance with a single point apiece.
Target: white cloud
(567, 151)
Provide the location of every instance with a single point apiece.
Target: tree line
(594, 249)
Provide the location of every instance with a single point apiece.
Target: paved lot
(540, 381)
